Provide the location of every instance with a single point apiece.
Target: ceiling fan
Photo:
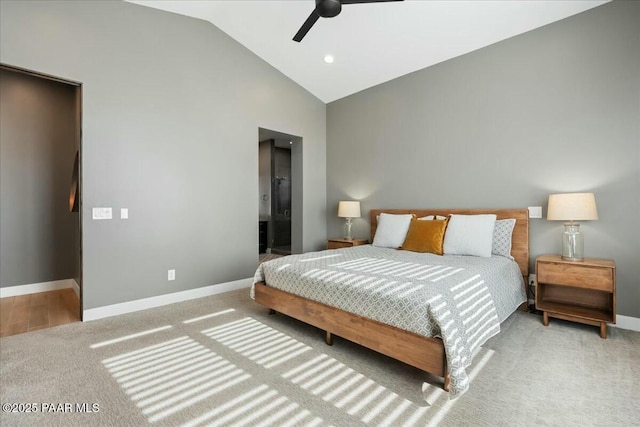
(327, 9)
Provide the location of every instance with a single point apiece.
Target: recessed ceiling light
(328, 59)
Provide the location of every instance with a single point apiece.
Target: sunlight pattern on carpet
(173, 376)
(258, 375)
(130, 337)
(323, 376)
(352, 391)
(257, 341)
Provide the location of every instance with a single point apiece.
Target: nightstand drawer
(581, 276)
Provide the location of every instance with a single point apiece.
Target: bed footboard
(421, 352)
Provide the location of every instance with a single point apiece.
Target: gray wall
(553, 110)
(37, 149)
(171, 108)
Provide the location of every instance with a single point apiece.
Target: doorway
(280, 204)
(281, 199)
(40, 199)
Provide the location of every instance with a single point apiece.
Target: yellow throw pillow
(425, 236)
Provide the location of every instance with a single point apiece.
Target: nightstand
(345, 243)
(579, 291)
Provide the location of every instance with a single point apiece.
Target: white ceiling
(371, 43)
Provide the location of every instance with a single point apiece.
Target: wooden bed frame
(421, 352)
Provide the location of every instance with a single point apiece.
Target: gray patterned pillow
(502, 237)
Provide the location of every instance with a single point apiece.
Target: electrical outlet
(171, 275)
(531, 286)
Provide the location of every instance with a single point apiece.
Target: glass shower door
(281, 200)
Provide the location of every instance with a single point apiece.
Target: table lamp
(572, 207)
(348, 210)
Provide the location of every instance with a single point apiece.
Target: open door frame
(78, 144)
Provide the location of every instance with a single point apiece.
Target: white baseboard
(76, 288)
(627, 322)
(622, 322)
(160, 300)
(33, 288)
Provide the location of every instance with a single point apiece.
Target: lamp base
(347, 229)
(572, 242)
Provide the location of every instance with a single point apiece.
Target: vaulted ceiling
(370, 43)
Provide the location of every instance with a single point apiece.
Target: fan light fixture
(327, 9)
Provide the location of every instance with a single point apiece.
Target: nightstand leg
(603, 330)
(545, 318)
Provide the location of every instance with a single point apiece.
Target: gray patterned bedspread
(461, 299)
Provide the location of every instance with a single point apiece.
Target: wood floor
(24, 313)
(268, 257)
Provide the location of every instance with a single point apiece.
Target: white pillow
(391, 230)
(469, 235)
(502, 233)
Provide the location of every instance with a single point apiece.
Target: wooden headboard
(520, 238)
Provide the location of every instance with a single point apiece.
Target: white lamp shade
(349, 209)
(572, 207)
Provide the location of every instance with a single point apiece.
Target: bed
(416, 329)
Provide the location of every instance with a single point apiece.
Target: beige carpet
(223, 360)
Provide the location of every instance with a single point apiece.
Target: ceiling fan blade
(306, 26)
(366, 1)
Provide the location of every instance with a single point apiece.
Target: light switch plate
(535, 211)
(124, 213)
(101, 213)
